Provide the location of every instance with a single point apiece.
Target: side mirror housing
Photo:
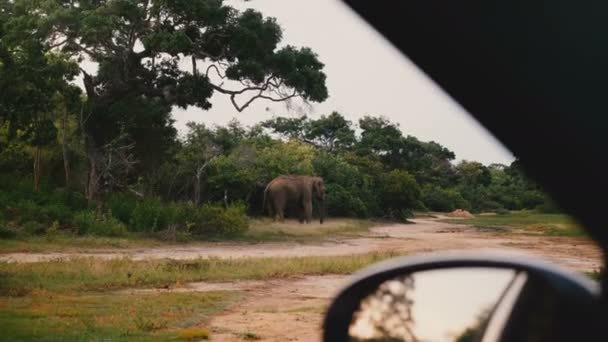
(464, 296)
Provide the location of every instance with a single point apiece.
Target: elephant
(295, 191)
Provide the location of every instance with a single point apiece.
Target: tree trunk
(225, 198)
(92, 188)
(37, 169)
(64, 147)
(197, 189)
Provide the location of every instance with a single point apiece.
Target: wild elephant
(295, 191)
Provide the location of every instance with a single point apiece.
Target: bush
(210, 220)
(341, 202)
(398, 191)
(57, 212)
(149, 215)
(26, 211)
(502, 211)
(121, 206)
(6, 232)
(444, 200)
(532, 199)
(88, 222)
(34, 228)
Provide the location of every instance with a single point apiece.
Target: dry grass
(261, 230)
(91, 274)
(291, 230)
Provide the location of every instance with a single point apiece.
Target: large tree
(32, 78)
(331, 133)
(155, 54)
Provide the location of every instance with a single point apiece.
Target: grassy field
(525, 222)
(76, 299)
(89, 274)
(260, 230)
(48, 316)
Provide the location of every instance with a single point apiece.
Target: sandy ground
(292, 310)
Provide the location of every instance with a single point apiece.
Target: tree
(199, 150)
(138, 46)
(31, 77)
(399, 193)
(379, 136)
(474, 173)
(288, 128)
(331, 133)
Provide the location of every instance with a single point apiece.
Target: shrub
(444, 200)
(93, 223)
(398, 191)
(213, 220)
(6, 232)
(341, 202)
(502, 211)
(121, 206)
(34, 228)
(149, 216)
(27, 211)
(57, 212)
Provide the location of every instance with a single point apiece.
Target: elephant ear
(316, 185)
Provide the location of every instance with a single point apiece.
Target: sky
(366, 75)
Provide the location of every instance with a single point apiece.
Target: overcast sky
(365, 76)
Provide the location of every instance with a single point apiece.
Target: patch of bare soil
(283, 310)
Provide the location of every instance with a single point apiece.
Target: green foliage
(121, 206)
(438, 199)
(399, 194)
(292, 157)
(217, 221)
(88, 222)
(128, 140)
(349, 190)
(149, 216)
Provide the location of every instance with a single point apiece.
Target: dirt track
(424, 236)
(291, 310)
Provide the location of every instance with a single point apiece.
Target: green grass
(261, 230)
(90, 274)
(74, 299)
(46, 316)
(526, 222)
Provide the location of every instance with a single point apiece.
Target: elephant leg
(281, 216)
(301, 215)
(280, 210)
(308, 211)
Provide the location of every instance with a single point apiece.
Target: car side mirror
(468, 297)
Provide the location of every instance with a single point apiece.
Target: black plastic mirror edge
(363, 283)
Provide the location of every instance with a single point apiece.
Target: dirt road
(291, 310)
(424, 236)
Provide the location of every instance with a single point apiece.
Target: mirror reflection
(436, 305)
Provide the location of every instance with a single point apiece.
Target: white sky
(365, 76)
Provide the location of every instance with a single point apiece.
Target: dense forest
(93, 150)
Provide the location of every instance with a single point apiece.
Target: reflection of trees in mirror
(386, 315)
(474, 332)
